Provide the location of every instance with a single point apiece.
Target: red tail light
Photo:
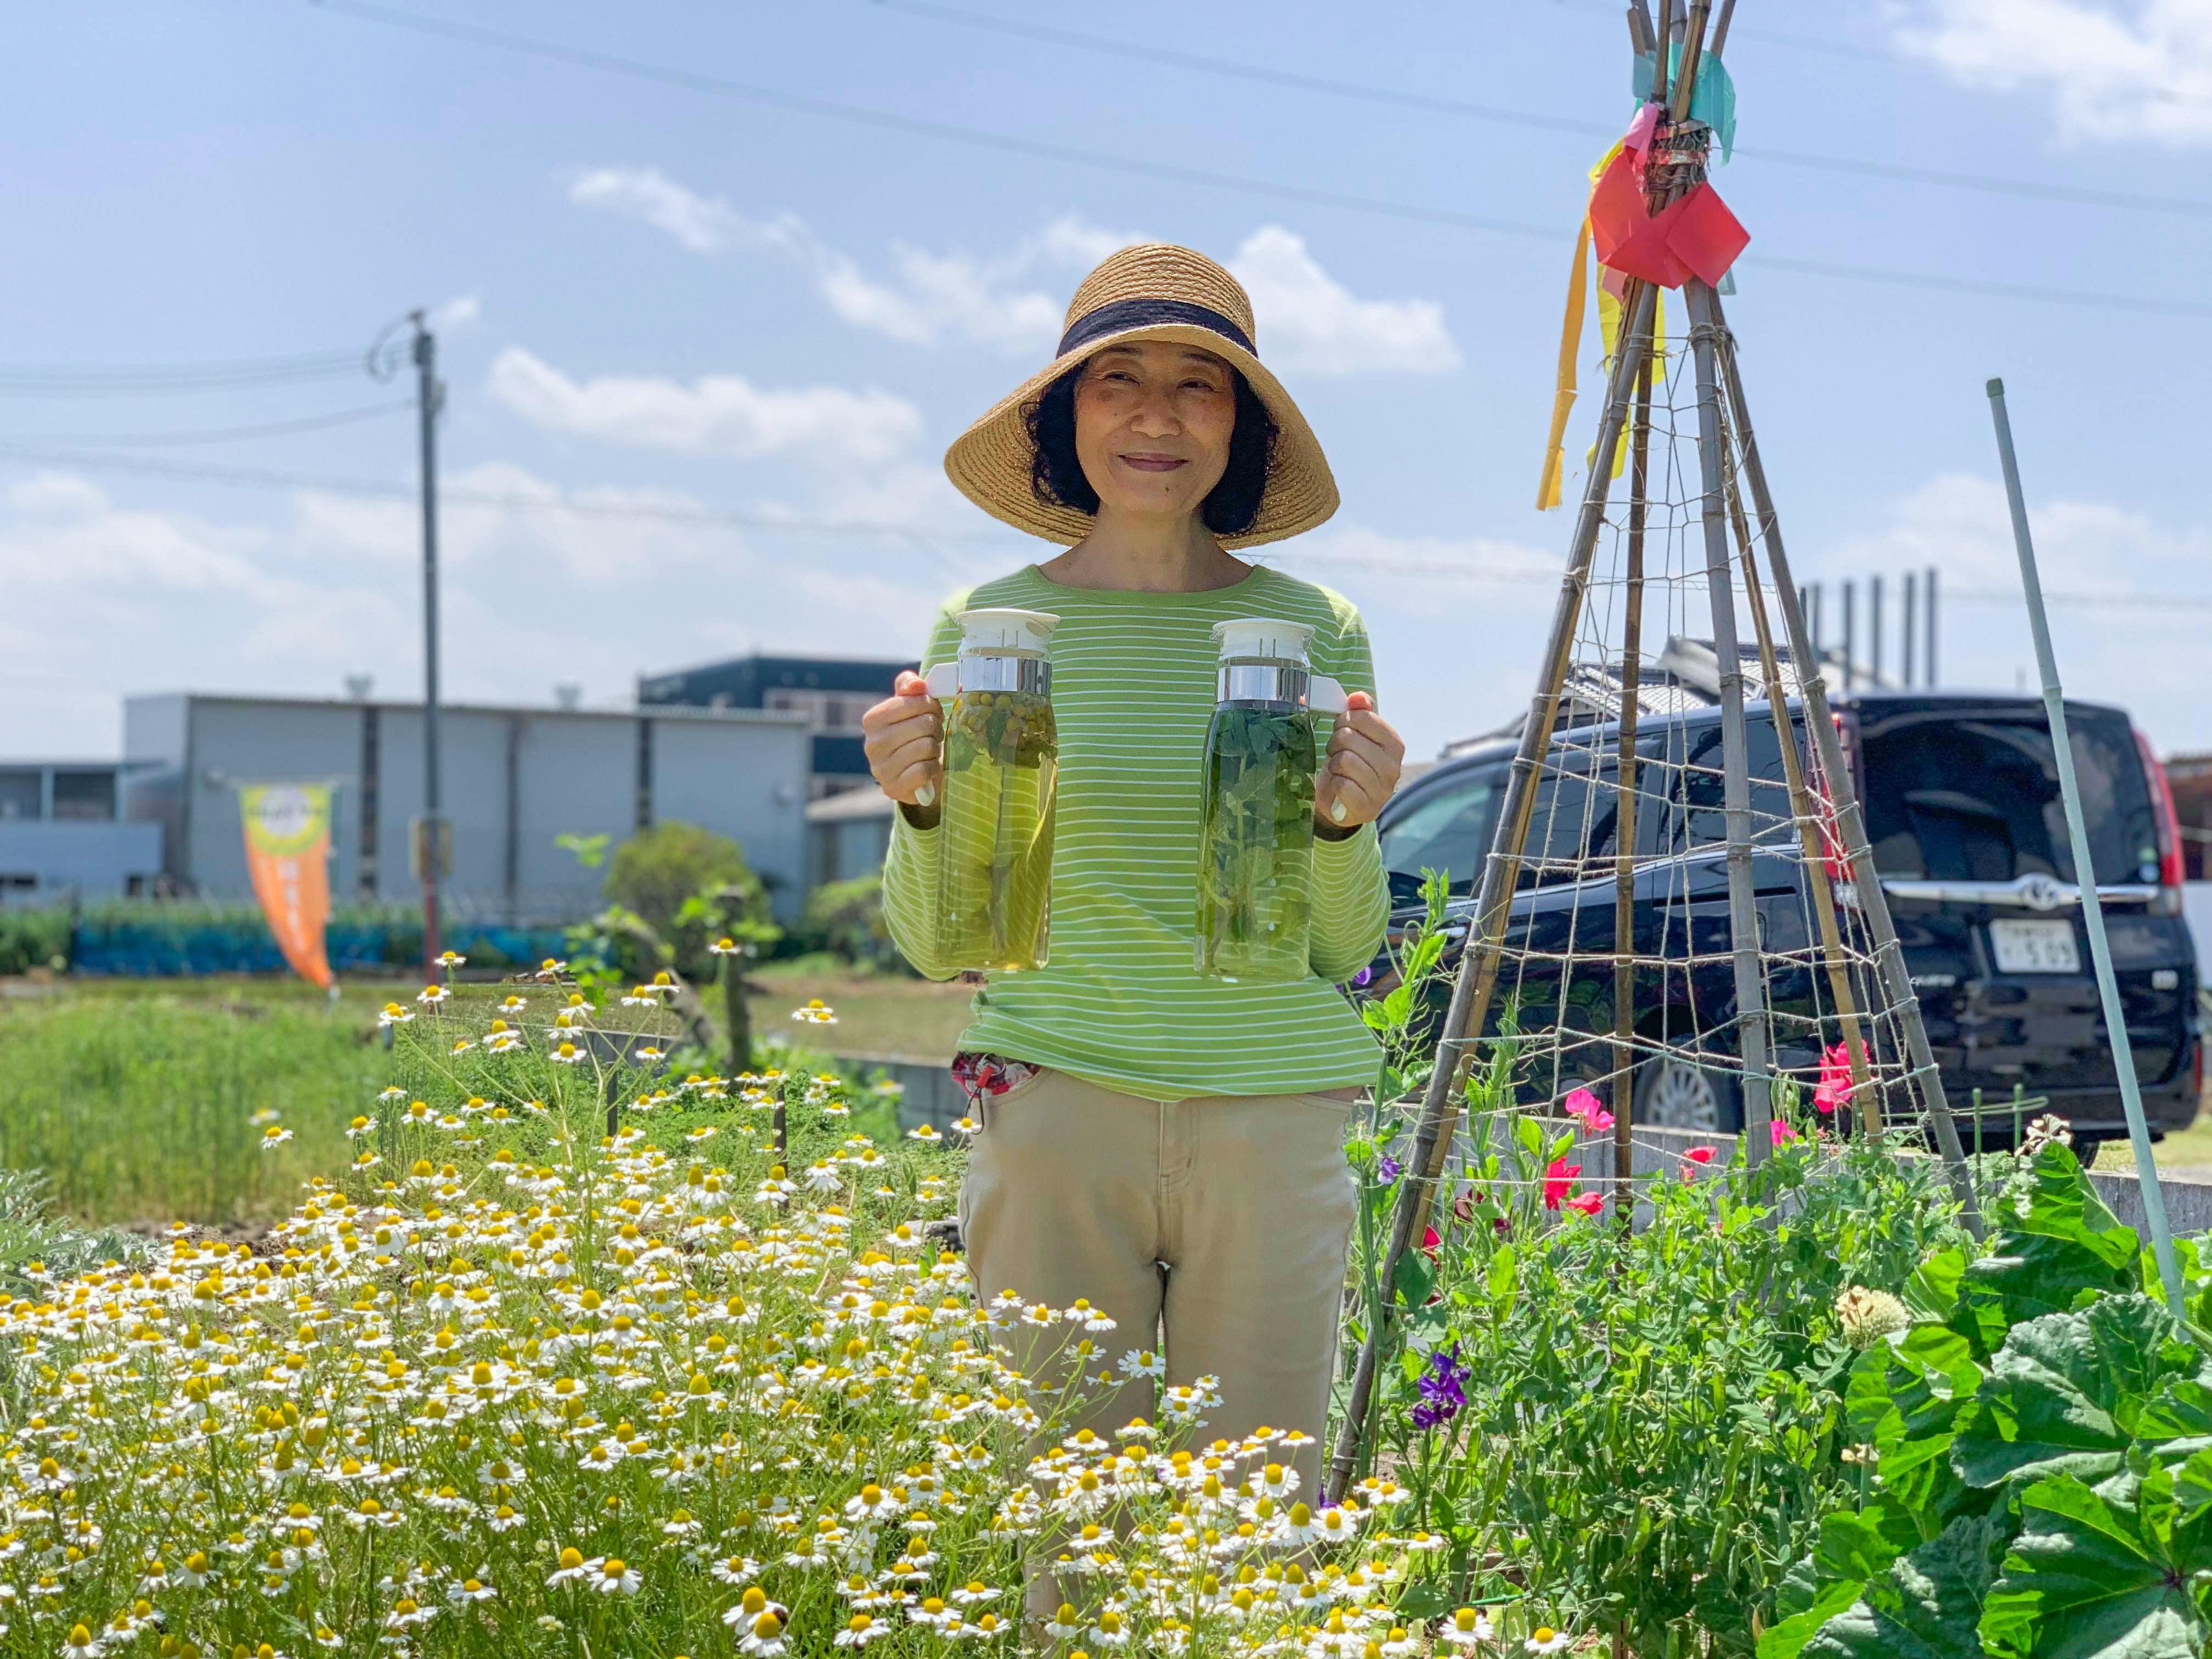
(2169, 821)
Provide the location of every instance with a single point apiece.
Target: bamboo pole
(1686, 78)
(1803, 808)
(1624, 869)
(1479, 960)
(1851, 822)
(1751, 1012)
(1659, 70)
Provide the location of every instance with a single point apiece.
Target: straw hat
(1153, 291)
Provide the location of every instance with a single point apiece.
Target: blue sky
(661, 302)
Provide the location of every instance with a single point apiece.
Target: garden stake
(1867, 893)
(1735, 770)
(1623, 878)
(2085, 872)
(1479, 959)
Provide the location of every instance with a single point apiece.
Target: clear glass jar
(1256, 822)
(1001, 759)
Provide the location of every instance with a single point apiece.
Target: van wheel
(1673, 1093)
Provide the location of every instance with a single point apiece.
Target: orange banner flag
(288, 843)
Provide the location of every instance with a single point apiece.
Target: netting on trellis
(1649, 658)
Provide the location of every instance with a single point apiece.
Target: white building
(513, 780)
(62, 834)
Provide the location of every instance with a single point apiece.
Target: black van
(1969, 836)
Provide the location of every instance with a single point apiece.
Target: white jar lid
(1263, 636)
(1006, 632)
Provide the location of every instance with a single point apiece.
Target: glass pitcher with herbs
(1256, 823)
(1001, 754)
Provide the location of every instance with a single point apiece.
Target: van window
(1963, 799)
(1694, 811)
(1576, 819)
(1448, 830)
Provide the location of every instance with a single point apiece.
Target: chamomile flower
(1545, 1639)
(816, 1012)
(273, 1137)
(612, 1576)
(432, 995)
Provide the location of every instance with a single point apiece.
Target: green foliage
(35, 938)
(2041, 1429)
(687, 884)
(36, 1246)
(846, 918)
(145, 1109)
(1254, 915)
(1637, 1430)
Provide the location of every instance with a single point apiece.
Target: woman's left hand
(1365, 756)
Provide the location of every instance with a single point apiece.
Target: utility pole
(1850, 633)
(431, 844)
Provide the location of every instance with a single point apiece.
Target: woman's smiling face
(1152, 422)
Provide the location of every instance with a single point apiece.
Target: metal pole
(426, 397)
(1736, 747)
(1874, 625)
(1818, 612)
(1911, 625)
(1843, 791)
(1928, 676)
(1850, 630)
(1501, 874)
(2085, 869)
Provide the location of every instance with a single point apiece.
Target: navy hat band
(1125, 314)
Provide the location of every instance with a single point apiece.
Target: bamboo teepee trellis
(1729, 544)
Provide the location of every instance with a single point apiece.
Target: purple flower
(1443, 1389)
(1389, 1169)
(1361, 979)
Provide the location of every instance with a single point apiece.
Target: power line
(214, 434)
(922, 535)
(84, 380)
(267, 477)
(1395, 98)
(1042, 150)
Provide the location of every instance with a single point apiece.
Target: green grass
(140, 1108)
(877, 1013)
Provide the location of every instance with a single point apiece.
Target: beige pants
(1212, 1229)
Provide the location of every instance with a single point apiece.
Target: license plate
(2034, 947)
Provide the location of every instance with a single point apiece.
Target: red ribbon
(1694, 236)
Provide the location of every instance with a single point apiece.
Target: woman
(1166, 1146)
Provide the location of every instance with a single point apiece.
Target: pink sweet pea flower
(1699, 1155)
(1588, 1203)
(1834, 1087)
(1591, 1109)
(1558, 1178)
(1780, 1131)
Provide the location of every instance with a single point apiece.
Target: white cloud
(1311, 322)
(2140, 70)
(2149, 658)
(703, 224)
(716, 414)
(457, 315)
(328, 586)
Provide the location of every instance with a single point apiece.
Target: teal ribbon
(1713, 102)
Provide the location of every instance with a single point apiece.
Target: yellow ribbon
(1571, 335)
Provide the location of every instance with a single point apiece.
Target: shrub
(33, 937)
(846, 918)
(661, 873)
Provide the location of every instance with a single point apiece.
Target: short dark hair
(1056, 476)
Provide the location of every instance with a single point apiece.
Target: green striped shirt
(1119, 1002)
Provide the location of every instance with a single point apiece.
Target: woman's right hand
(903, 736)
